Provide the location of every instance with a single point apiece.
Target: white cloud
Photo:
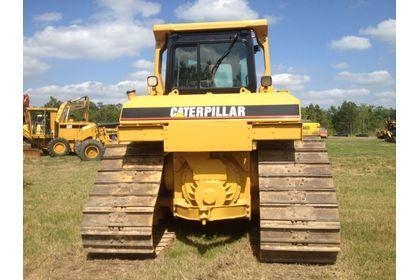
(333, 96)
(272, 19)
(384, 31)
(140, 75)
(341, 65)
(290, 81)
(32, 66)
(144, 64)
(213, 10)
(337, 92)
(374, 78)
(100, 41)
(97, 92)
(48, 17)
(386, 99)
(115, 35)
(145, 69)
(385, 94)
(385, 102)
(351, 43)
(129, 8)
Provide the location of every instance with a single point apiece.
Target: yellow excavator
(66, 129)
(211, 142)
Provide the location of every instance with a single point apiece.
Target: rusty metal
(299, 219)
(28, 151)
(123, 213)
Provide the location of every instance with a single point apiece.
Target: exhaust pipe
(131, 94)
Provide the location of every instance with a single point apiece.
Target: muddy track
(299, 220)
(124, 213)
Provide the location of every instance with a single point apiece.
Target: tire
(91, 150)
(77, 148)
(58, 147)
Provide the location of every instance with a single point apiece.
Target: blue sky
(325, 52)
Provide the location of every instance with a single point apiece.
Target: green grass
(55, 190)
(364, 173)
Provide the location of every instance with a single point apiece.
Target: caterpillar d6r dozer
(208, 144)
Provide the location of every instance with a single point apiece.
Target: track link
(299, 219)
(123, 214)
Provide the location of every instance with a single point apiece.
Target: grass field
(55, 190)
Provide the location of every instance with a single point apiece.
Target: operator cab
(217, 62)
(40, 121)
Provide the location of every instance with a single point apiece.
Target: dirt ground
(191, 256)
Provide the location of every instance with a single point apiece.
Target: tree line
(348, 118)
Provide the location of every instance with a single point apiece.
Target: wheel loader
(210, 142)
(66, 129)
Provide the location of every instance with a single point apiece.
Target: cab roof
(260, 27)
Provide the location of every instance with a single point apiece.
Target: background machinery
(311, 129)
(389, 133)
(66, 129)
(323, 132)
(210, 144)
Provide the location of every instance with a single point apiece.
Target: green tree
(315, 113)
(381, 115)
(107, 114)
(364, 118)
(344, 119)
(93, 111)
(53, 103)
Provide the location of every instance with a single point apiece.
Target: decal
(211, 112)
(207, 111)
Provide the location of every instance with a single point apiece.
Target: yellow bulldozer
(66, 129)
(212, 143)
(311, 129)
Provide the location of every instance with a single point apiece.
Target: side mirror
(256, 49)
(266, 81)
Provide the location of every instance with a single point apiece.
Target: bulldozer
(211, 143)
(311, 129)
(66, 129)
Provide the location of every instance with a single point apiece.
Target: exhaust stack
(131, 94)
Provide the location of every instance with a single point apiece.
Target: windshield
(194, 66)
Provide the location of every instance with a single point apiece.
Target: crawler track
(299, 219)
(124, 213)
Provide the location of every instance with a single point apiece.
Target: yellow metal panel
(268, 131)
(185, 123)
(140, 133)
(258, 25)
(212, 214)
(68, 133)
(211, 186)
(283, 97)
(207, 135)
(77, 131)
(310, 129)
(237, 211)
